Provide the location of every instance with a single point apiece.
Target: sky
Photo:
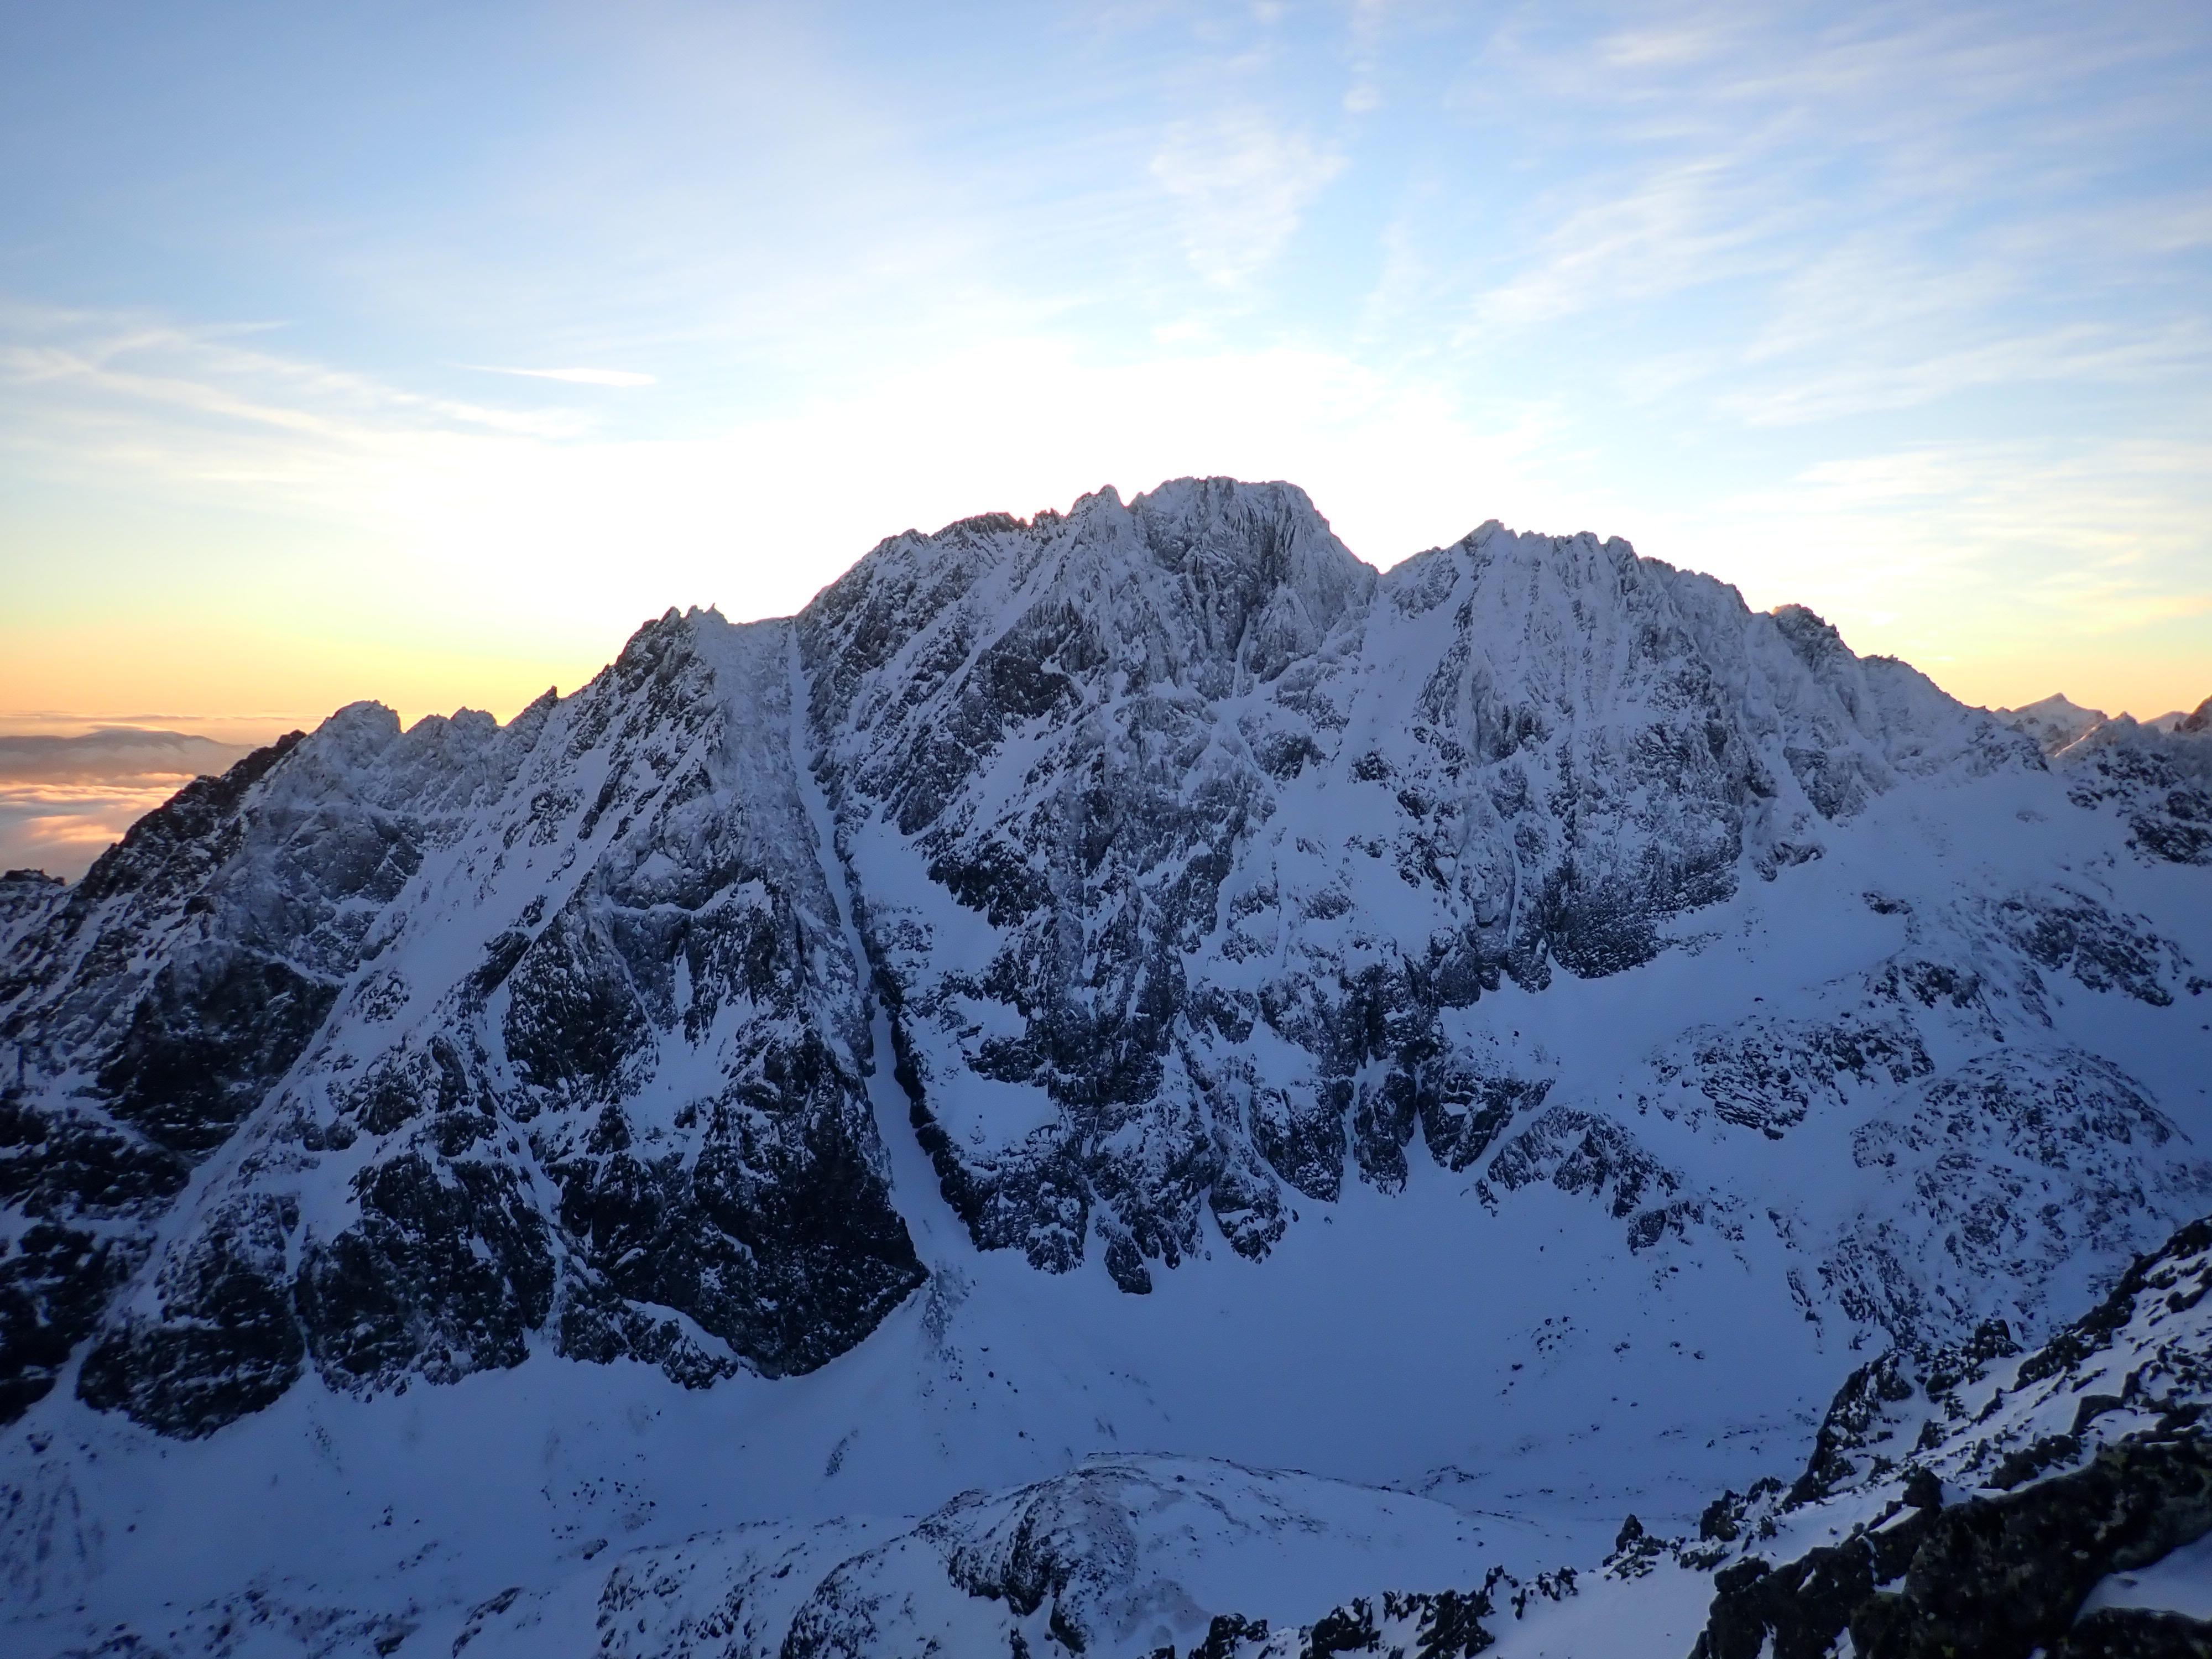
(421, 352)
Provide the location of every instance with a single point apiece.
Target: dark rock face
(2002, 1575)
(1115, 649)
(546, 1028)
(2056, 1139)
(2135, 1633)
(775, 1237)
(446, 1270)
(1402, 1625)
(1768, 1074)
(55, 1282)
(1578, 1153)
(1445, 1625)
(223, 1341)
(1184, 836)
(2079, 937)
(178, 1042)
(2073, 1484)
(2005, 1575)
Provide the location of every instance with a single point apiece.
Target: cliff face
(1991, 1495)
(412, 1047)
(1184, 840)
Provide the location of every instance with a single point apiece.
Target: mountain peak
(2053, 721)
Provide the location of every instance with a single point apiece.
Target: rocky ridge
(2155, 777)
(440, 1040)
(1989, 1493)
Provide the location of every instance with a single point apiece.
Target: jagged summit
(2155, 775)
(1196, 580)
(2053, 722)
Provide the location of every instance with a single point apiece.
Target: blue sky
(420, 352)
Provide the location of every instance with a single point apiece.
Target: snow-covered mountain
(912, 1119)
(2156, 776)
(2054, 721)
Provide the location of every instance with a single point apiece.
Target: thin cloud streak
(1241, 185)
(601, 377)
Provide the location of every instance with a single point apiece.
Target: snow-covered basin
(1392, 1339)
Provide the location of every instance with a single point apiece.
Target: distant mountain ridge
(65, 797)
(113, 752)
(2157, 774)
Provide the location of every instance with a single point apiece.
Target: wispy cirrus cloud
(1884, 182)
(621, 378)
(1240, 183)
(76, 360)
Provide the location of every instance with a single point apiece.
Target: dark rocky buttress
(448, 1039)
(1183, 835)
(1989, 1492)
